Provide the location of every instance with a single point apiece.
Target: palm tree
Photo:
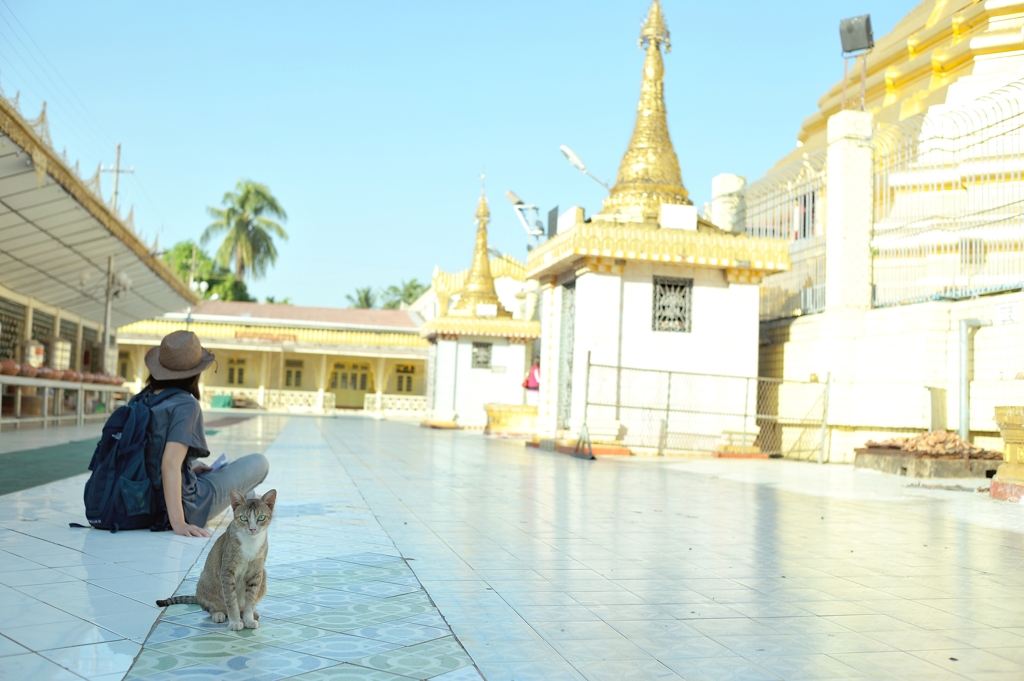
(249, 239)
(364, 298)
(407, 293)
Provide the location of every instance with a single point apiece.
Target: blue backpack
(119, 494)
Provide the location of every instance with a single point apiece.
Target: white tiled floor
(78, 603)
(549, 567)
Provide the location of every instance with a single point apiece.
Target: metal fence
(949, 202)
(675, 412)
(948, 209)
(789, 203)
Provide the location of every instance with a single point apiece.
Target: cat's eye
(243, 518)
(261, 518)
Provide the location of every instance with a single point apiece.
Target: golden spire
(649, 173)
(479, 288)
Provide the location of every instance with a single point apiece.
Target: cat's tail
(175, 600)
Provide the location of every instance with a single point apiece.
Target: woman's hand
(186, 530)
(199, 469)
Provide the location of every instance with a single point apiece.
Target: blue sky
(371, 121)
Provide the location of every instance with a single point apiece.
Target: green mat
(21, 470)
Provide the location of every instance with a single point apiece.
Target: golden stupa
(649, 173)
(478, 311)
(479, 287)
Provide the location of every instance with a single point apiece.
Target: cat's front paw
(237, 625)
(251, 624)
(218, 617)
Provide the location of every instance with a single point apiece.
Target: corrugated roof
(56, 234)
(398, 319)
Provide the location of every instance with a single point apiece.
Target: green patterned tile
(210, 647)
(349, 672)
(152, 662)
(180, 609)
(421, 661)
(282, 588)
(281, 632)
(343, 620)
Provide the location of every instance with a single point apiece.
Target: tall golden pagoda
(649, 173)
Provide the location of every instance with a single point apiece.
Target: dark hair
(189, 385)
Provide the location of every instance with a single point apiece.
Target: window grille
(482, 355)
(673, 304)
(12, 320)
(42, 325)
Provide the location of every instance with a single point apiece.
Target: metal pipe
(824, 419)
(965, 380)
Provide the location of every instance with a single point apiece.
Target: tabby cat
(233, 579)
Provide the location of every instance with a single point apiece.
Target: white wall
(460, 387)
(723, 339)
(890, 356)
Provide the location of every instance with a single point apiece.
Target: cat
(233, 579)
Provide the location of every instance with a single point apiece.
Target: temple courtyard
(398, 552)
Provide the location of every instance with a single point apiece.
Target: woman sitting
(193, 492)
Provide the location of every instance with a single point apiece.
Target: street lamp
(522, 209)
(579, 165)
(857, 39)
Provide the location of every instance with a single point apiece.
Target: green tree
(249, 229)
(186, 258)
(408, 292)
(364, 298)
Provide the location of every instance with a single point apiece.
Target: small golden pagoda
(477, 312)
(649, 174)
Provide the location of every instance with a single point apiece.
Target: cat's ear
(236, 499)
(269, 498)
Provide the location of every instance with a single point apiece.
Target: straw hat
(179, 356)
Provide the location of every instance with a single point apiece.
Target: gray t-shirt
(178, 418)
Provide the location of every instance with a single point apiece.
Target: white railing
(789, 203)
(949, 194)
(801, 290)
(55, 402)
(281, 400)
(405, 404)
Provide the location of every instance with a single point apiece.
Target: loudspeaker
(855, 33)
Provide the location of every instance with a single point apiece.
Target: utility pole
(192, 268)
(117, 170)
(106, 316)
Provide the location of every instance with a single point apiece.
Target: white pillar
(849, 211)
(378, 379)
(323, 380)
(728, 206)
(550, 337)
(261, 396)
(849, 215)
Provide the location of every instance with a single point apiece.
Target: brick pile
(937, 444)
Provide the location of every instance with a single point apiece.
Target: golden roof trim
(500, 327)
(45, 160)
(933, 46)
(643, 243)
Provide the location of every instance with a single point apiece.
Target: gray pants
(213, 489)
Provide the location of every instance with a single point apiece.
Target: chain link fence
(686, 413)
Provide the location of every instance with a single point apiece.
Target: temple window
(236, 371)
(673, 304)
(293, 373)
(482, 355)
(405, 373)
